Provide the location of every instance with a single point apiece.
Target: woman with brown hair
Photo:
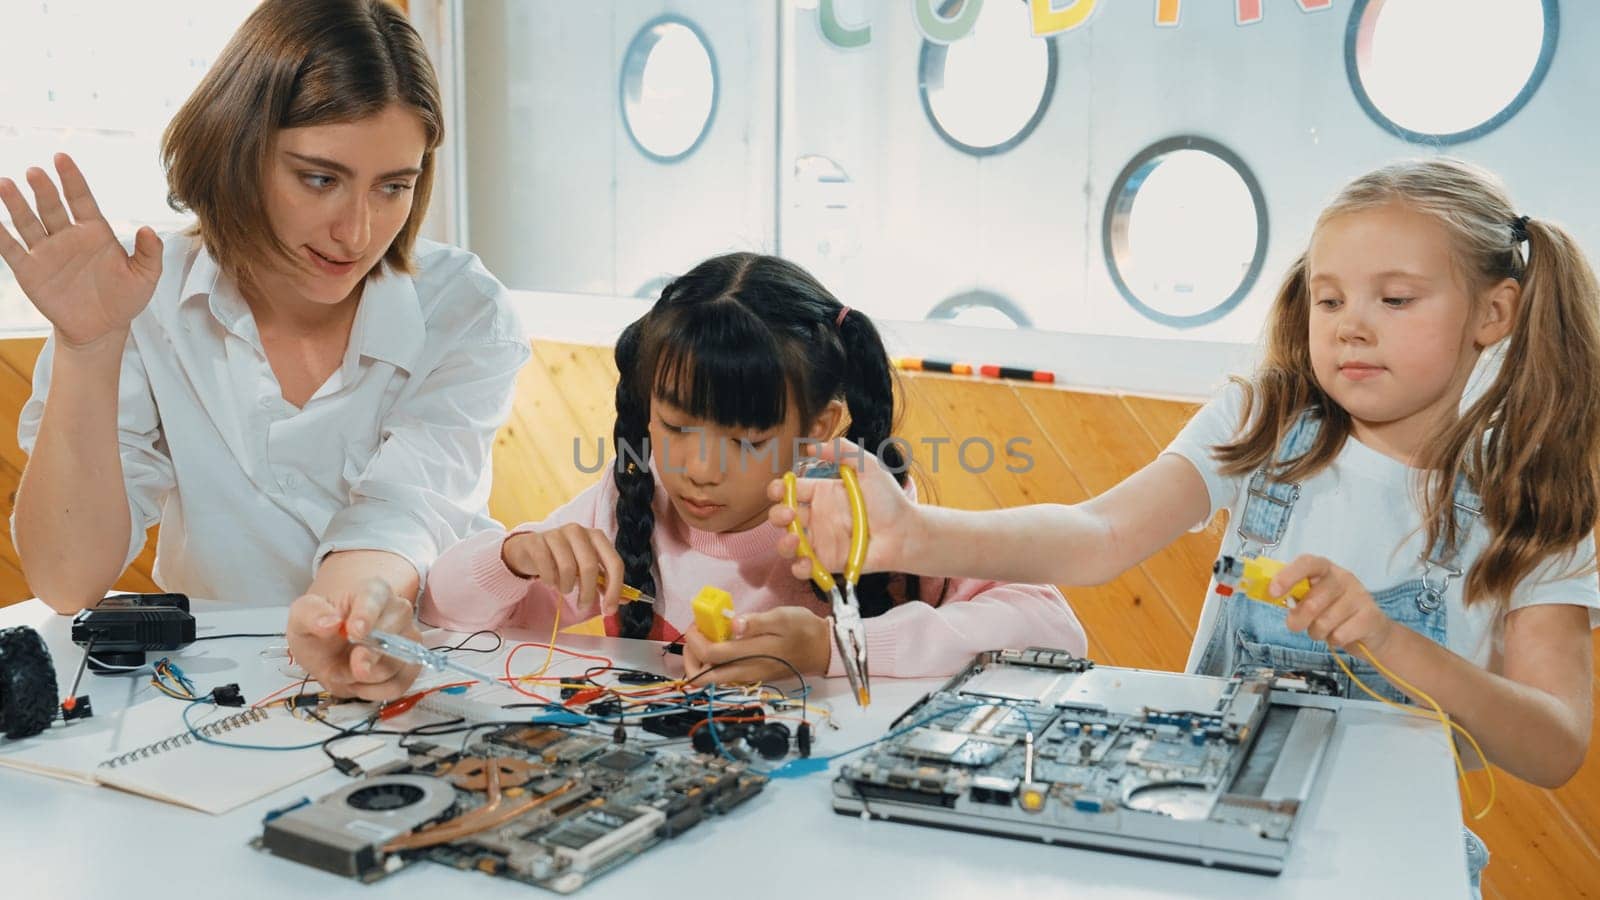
(302, 392)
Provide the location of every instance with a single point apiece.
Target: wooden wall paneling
(1105, 444)
(1130, 623)
(587, 378)
(528, 483)
(1536, 850)
(950, 486)
(16, 385)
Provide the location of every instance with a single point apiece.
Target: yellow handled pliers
(849, 634)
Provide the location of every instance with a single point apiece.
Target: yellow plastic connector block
(1031, 798)
(713, 613)
(1258, 573)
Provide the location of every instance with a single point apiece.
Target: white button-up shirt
(391, 453)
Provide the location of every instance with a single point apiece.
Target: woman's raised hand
(70, 264)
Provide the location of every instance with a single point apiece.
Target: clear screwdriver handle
(407, 650)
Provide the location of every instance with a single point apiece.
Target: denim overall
(1251, 633)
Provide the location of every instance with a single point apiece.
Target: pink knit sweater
(470, 588)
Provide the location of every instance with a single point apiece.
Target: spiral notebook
(147, 750)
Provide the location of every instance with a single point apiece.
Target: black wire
(424, 731)
(621, 715)
(865, 809)
(449, 726)
(461, 645)
(431, 729)
(369, 721)
(457, 726)
(347, 732)
(805, 690)
(460, 726)
(294, 702)
(259, 634)
(468, 729)
(728, 662)
(368, 726)
(467, 737)
(657, 678)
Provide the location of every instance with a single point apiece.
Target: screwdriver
(403, 648)
(629, 593)
(407, 650)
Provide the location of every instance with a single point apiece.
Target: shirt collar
(389, 323)
(202, 278)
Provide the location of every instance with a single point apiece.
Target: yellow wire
(550, 656)
(818, 710)
(1439, 712)
(176, 691)
(551, 653)
(1488, 770)
(170, 693)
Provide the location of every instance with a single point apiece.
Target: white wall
(562, 202)
(559, 197)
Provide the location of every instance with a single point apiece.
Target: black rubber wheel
(27, 683)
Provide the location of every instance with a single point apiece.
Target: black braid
(636, 489)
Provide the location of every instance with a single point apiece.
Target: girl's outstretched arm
(1081, 544)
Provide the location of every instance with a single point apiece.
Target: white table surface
(1384, 819)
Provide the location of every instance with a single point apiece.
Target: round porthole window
(669, 88)
(980, 309)
(651, 290)
(1446, 71)
(987, 91)
(1185, 231)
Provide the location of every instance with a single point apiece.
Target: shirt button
(266, 402)
(291, 480)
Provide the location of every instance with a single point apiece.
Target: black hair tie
(1519, 230)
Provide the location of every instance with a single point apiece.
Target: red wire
(515, 683)
(396, 707)
(290, 686)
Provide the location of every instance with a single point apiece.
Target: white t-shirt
(391, 453)
(1361, 514)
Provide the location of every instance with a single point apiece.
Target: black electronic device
(117, 632)
(137, 601)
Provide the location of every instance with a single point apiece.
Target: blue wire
(208, 740)
(166, 674)
(905, 728)
(182, 678)
(796, 768)
(711, 725)
(1026, 719)
(563, 718)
